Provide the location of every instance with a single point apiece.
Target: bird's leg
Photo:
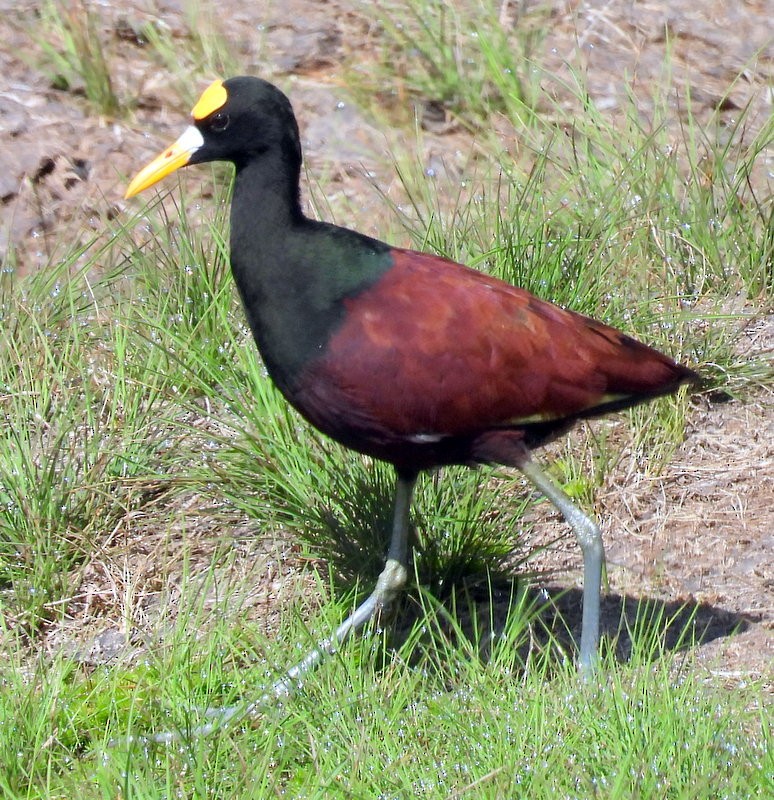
(590, 540)
(389, 584)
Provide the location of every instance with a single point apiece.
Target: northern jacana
(405, 356)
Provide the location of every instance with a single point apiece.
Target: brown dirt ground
(701, 532)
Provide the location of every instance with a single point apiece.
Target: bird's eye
(219, 121)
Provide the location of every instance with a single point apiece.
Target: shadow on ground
(482, 613)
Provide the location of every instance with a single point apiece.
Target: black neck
(293, 273)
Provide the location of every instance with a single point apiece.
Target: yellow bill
(174, 157)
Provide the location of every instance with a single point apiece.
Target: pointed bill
(174, 157)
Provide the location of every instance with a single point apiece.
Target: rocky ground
(703, 531)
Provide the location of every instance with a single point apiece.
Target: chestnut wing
(436, 349)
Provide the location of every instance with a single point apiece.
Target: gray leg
(388, 586)
(590, 540)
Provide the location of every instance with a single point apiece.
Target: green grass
(204, 52)
(75, 53)
(134, 403)
(429, 720)
(79, 51)
(460, 62)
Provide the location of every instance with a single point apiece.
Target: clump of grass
(84, 439)
(212, 53)
(74, 52)
(205, 52)
(467, 60)
(76, 57)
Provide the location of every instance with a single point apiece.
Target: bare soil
(701, 533)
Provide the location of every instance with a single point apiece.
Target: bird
(404, 356)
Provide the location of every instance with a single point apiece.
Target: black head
(243, 117)
(236, 120)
